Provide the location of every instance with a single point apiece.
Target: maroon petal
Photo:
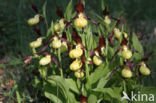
(79, 7)
(83, 99)
(27, 60)
(64, 35)
(147, 57)
(34, 7)
(105, 12)
(59, 12)
(110, 39)
(129, 64)
(76, 37)
(55, 60)
(101, 43)
(83, 59)
(68, 24)
(124, 41)
(37, 30)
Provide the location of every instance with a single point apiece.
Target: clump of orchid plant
(79, 59)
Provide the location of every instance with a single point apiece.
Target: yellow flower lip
(56, 44)
(107, 20)
(80, 22)
(126, 73)
(126, 54)
(97, 61)
(144, 70)
(79, 74)
(37, 43)
(117, 33)
(75, 53)
(35, 20)
(76, 65)
(45, 60)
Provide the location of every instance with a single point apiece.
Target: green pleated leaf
(52, 97)
(68, 12)
(92, 98)
(72, 85)
(99, 72)
(102, 82)
(64, 87)
(136, 44)
(112, 92)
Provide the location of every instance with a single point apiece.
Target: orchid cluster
(79, 45)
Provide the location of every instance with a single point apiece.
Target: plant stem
(60, 68)
(34, 52)
(124, 84)
(87, 72)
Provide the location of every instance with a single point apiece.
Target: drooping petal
(79, 7)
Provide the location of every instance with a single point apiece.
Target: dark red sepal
(76, 37)
(83, 59)
(34, 7)
(124, 41)
(105, 12)
(79, 7)
(147, 57)
(101, 43)
(83, 99)
(27, 60)
(59, 12)
(129, 64)
(55, 60)
(37, 30)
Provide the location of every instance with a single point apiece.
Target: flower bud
(126, 73)
(45, 60)
(75, 65)
(79, 74)
(97, 61)
(75, 53)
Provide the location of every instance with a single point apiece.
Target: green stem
(124, 84)
(87, 72)
(34, 52)
(60, 68)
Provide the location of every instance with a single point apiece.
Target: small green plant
(81, 60)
